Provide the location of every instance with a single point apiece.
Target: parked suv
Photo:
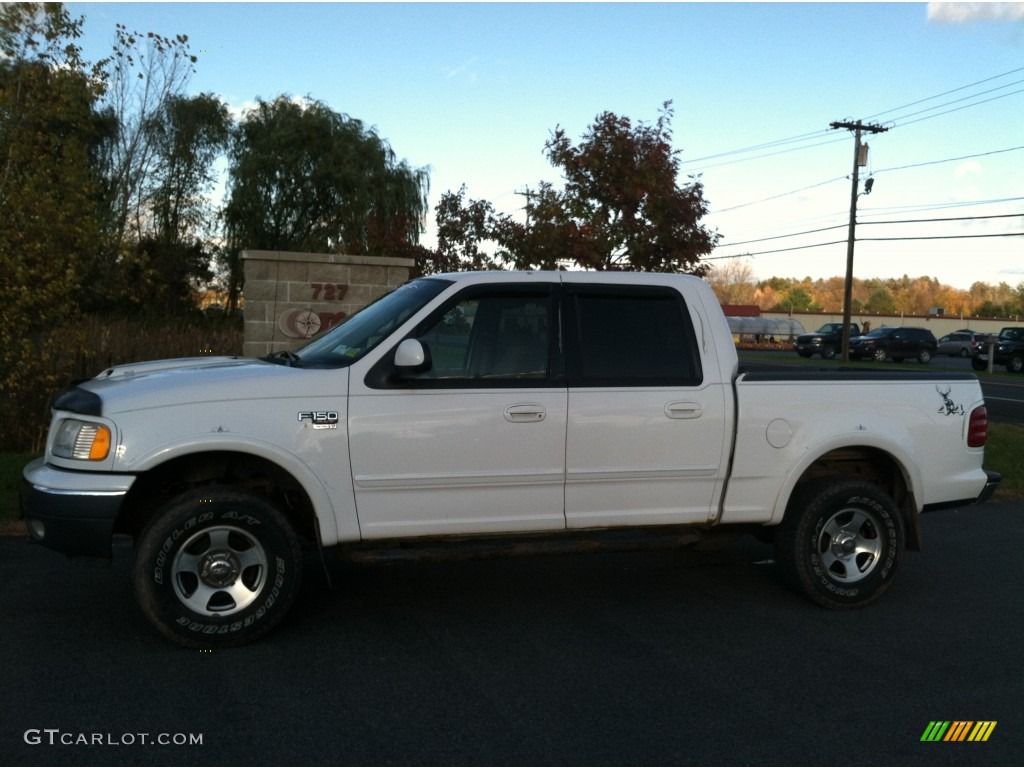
(961, 343)
(897, 343)
(1009, 351)
(825, 341)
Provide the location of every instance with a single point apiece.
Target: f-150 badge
(320, 419)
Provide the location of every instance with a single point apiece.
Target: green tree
(461, 227)
(49, 131)
(163, 270)
(880, 302)
(797, 299)
(304, 177)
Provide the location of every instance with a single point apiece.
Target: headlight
(81, 440)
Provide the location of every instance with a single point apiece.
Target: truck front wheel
(217, 566)
(841, 542)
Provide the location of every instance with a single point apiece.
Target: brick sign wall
(289, 297)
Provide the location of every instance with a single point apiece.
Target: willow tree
(303, 177)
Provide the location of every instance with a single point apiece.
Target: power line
(945, 93)
(943, 237)
(783, 194)
(957, 101)
(949, 160)
(947, 218)
(859, 239)
(869, 223)
(874, 173)
(958, 109)
(817, 134)
(758, 147)
(783, 237)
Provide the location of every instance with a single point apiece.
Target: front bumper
(72, 512)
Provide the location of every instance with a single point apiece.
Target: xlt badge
(320, 419)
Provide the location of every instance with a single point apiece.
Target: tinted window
(632, 337)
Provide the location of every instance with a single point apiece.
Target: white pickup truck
(485, 404)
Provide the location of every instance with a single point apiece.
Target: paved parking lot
(663, 657)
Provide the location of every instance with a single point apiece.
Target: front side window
(485, 337)
(491, 337)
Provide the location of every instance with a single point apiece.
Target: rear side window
(629, 336)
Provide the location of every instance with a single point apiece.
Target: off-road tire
(217, 566)
(841, 542)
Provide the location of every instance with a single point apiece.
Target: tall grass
(117, 341)
(92, 344)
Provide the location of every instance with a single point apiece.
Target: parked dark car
(961, 343)
(826, 341)
(897, 343)
(1009, 351)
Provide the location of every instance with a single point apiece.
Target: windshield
(880, 332)
(355, 336)
(1012, 334)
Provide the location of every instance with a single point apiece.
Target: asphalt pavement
(629, 658)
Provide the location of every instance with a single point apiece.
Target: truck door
(475, 443)
(646, 435)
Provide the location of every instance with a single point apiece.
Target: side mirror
(412, 356)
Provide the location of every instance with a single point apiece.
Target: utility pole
(858, 161)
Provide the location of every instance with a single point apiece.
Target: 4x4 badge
(320, 419)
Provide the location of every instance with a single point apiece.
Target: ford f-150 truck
(495, 404)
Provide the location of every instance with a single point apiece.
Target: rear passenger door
(645, 442)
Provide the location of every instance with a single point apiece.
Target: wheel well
(157, 486)
(877, 467)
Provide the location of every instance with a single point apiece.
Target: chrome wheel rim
(850, 545)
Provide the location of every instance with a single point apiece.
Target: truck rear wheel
(841, 542)
(217, 566)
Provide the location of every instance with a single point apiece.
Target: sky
(473, 90)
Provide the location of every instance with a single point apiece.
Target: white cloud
(970, 168)
(962, 13)
(466, 71)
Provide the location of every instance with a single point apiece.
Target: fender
(898, 450)
(333, 525)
